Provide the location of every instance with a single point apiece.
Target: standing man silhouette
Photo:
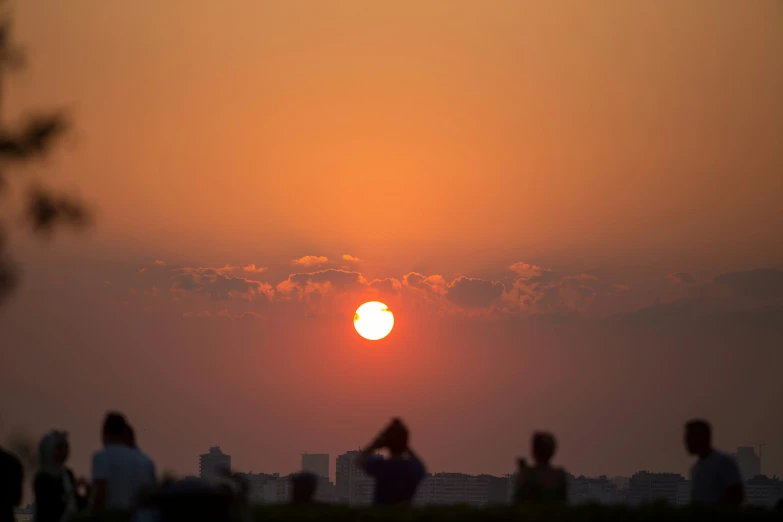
(715, 477)
(398, 477)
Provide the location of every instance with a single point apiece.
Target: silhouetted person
(715, 477)
(195, 499)
(541, 484)
(398, 477)
(130, 441)
(57, 496)
(120, 473)
(11, 478)
(303, 488)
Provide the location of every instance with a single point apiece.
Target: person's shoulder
(416, 465)
(98, 455)
(146, 460)
(373, 463)
(526, 473)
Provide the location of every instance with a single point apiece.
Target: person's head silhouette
(396, 438)
(544, 446)
(698, 437)
(53, 451)
(303, 487)
(114, 429)
(129, 436)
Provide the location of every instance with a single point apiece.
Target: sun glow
(373, 320)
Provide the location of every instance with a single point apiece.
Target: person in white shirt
(130, 441)
(120, 473)
(715, 477)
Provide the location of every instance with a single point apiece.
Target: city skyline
(352, 486)
(748, 460)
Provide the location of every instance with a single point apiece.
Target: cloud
(741, 294)
(240, 316)
(525, 270)
(540, 290)
(321, 281)
(469, 292)
(683, 278)
(252, 269)
(157, 264)
(333, 290)
(387, 286)
(433, 284)
(351, 259)
(310, 261)
(760, 284)
(197, 315)
(218, 286)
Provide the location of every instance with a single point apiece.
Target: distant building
(460, 488)
(621, 482)
(316, 463)
(326, 492)
(592, 490)
(212, 462)
(763, 491)
(749, 463)
(262, 487)
(645, 487)
(511, 486)
(353, 486)
(684, 493)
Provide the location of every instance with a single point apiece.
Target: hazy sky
(573, 209)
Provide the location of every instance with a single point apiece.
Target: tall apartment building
(647, 487)
(316, 463)
(210, 463)
(353, 486)
(748, 462)
(459, 488)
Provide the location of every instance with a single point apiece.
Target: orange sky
(396, 130)
(608, 144)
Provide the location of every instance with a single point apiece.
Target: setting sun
(373, 320)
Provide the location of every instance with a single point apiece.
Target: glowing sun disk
(373, 320)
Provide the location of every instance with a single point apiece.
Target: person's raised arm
(368, 451)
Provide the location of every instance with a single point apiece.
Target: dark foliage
(44, 209)
(34, 139)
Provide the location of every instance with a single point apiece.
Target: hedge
(589, 513)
